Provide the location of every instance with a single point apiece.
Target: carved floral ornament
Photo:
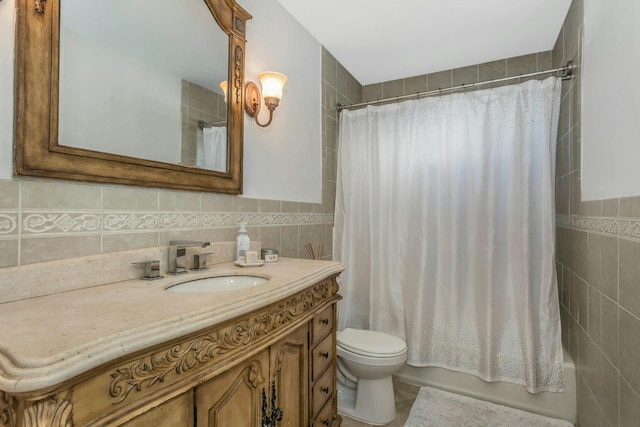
(49, 412)
(7, 408)
(149, 370)
(252, 374)
(237, 72)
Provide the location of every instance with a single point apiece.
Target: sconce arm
(268, 122)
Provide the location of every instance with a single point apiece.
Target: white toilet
(366, 361)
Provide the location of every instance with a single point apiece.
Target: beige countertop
(48, 339)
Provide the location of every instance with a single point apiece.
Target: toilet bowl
(366, 361)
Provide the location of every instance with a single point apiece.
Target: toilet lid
(371, 343)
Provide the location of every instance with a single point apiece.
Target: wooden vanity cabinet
(234, 398)
(214, 377)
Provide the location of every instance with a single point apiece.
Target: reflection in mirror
(137, 78)
(204, 127)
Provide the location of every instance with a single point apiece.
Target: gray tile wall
(449, 78)
(44, 220)
(598, 254)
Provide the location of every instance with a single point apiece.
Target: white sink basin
(217, 284)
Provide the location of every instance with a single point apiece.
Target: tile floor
(405, 396)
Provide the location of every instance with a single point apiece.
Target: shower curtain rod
(566, 71)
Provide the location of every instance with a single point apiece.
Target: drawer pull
(325, 389)
(325, 422)
(324, 354)
(324, 321)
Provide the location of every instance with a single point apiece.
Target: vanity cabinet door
(290, 373)
(234, 398)
(175, 412)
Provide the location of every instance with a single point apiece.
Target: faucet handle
(200, 261)
(151, 269)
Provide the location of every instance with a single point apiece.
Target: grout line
(629, 313)
(618, 307)
(158, 215)
(19, 220)
(633, 390)
(101, 219)
(594, 398)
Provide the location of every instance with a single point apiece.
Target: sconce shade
(272, 84)
(224, 85)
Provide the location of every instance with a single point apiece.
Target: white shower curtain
(445, 223)
(212, 154)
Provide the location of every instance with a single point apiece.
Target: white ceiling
(382, 40)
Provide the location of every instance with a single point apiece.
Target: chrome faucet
(177, 250)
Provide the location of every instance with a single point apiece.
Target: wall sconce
(272, 84)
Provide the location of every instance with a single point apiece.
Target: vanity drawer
(322, 324)
(322, 391)
(322, 357)
(325, 417)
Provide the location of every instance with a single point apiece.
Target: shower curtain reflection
(212, 153)
(444, 221)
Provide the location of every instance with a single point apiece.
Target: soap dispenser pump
(243, 241)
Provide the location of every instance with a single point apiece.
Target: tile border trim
(64, 223)
(8, 223)
(618, 227)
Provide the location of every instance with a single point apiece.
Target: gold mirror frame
(37, 149)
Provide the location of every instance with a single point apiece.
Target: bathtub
(556, 405)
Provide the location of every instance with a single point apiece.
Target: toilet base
(374, 402)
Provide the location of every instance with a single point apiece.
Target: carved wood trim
(40, 6)
(239, 25)
(50, 412)
(253, 375)
(7, 410)
(180, 358)
(237, 72)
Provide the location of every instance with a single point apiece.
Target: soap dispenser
(243, 242)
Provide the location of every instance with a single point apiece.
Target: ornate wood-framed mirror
(40, 148)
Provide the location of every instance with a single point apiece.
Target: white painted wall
(610, 100)
(282, 162)
(7, 37)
